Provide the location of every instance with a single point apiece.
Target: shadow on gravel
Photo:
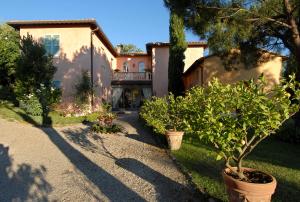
(142, 134)
(110, 186)
(24, 184)
(166, 189)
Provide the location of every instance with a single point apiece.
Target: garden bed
(10, 112)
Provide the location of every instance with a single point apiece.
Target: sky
(123, 21)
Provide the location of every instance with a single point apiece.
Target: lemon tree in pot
(235, 119)
(164, 115)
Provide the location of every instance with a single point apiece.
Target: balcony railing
(132, 76)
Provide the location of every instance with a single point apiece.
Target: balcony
(132, 76)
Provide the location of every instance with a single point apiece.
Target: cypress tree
(177, 48)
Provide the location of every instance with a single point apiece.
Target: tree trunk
(295, 35)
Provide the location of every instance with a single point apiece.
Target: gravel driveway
(72, 164)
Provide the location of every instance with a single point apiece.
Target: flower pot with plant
(164, 115)
(235, 119)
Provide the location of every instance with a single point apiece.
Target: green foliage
(35, 67)
(243, 24)
(31, 105)
(105, 122)
(34, 75)
(10, 112)
(83, 89)
(163, 113)
(277, 158)
(106, 129)
(176, 58)
(129, 48)
(289, 132)
(235, 118)
(9, 54)
(155, 113)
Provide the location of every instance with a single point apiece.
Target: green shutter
(55, 44)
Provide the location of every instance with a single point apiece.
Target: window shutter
(47, 43)
(55, 44)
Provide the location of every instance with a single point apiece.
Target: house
(121, 79)
(206, 68)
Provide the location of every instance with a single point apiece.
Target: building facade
(124, 80)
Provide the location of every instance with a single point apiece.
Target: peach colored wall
(160, 59)
(191, 55)
(74, 56)
(133, 62)
(213, 67)
(104, 64)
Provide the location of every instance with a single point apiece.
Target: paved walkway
(72, 164)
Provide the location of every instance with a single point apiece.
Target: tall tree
(177, 48)
(9, 54)
(249, 25)
(34, 74)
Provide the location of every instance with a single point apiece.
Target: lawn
(10, 112)
(275, 157)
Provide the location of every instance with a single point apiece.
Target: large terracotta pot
(239, 191)
(174, 139)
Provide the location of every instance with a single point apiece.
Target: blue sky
(123, 21)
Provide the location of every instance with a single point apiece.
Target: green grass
(282, 160)
(10, 112)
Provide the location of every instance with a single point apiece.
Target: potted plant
(164, 115)
(235, 119)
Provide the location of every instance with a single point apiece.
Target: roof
(92, 23)
(133, 54)
(166, 44)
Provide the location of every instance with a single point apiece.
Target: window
(51, 43)
(125, 66)
(141, 67)
(56, 84)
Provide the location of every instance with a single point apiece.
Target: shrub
(31, 105)
(106, 118)
(34, 75)
(106, 129)
(289, 132)
(236, 118)
(105, 122)
(163, 113)
(83, 89)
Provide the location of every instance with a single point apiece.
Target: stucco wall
(74, 57)
(160, 59)
(213, 67)
(133, 62)
(191, 55)
(104, 64)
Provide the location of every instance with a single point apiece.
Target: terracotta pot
(239, 191)
(174, 139)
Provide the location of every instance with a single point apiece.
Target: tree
(129, 48)
(34, 74)
(9, 54)
(176, 54)
(248, 25)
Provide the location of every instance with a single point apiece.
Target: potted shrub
(235, 119)
(164, 115)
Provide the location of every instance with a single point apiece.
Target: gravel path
(72, 164)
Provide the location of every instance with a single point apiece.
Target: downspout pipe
(92, 68)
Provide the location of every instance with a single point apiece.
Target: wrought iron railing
(132, 76)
